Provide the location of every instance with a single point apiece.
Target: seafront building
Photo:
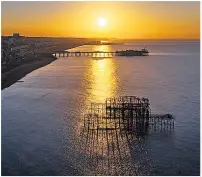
(17, 48)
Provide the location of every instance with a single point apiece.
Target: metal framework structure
(125, 113)
(109, 131)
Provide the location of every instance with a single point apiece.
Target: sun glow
(102, 22)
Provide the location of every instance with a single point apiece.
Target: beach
(31, 63)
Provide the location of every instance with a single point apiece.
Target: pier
(142, 52)
(109, 131)
(128, 113)
(90, 54)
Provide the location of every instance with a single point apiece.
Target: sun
(102, 22)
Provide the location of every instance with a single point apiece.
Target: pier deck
(96, 54)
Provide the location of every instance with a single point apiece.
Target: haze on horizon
(142, 20)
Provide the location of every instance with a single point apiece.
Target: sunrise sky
(142, 20)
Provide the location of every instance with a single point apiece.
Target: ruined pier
(128, 113)
(110, 129)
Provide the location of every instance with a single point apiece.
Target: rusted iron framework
(110, 129)
(125, 113)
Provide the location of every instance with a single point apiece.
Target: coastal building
(16, 35)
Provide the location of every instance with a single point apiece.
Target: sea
(42, 125)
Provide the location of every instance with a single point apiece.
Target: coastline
(12, 76)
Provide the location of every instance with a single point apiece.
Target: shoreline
(10, 77)
(14, 75)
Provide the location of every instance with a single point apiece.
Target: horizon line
(106, 38)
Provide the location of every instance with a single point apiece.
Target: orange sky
(143, 20)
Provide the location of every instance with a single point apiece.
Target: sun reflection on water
(103, 83)
(107, 152)
(103, 148)
(103, 78)
(100, 81)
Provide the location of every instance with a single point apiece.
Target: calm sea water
(42, 117)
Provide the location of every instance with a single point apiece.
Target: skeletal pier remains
(109, 131)
(128, 113)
